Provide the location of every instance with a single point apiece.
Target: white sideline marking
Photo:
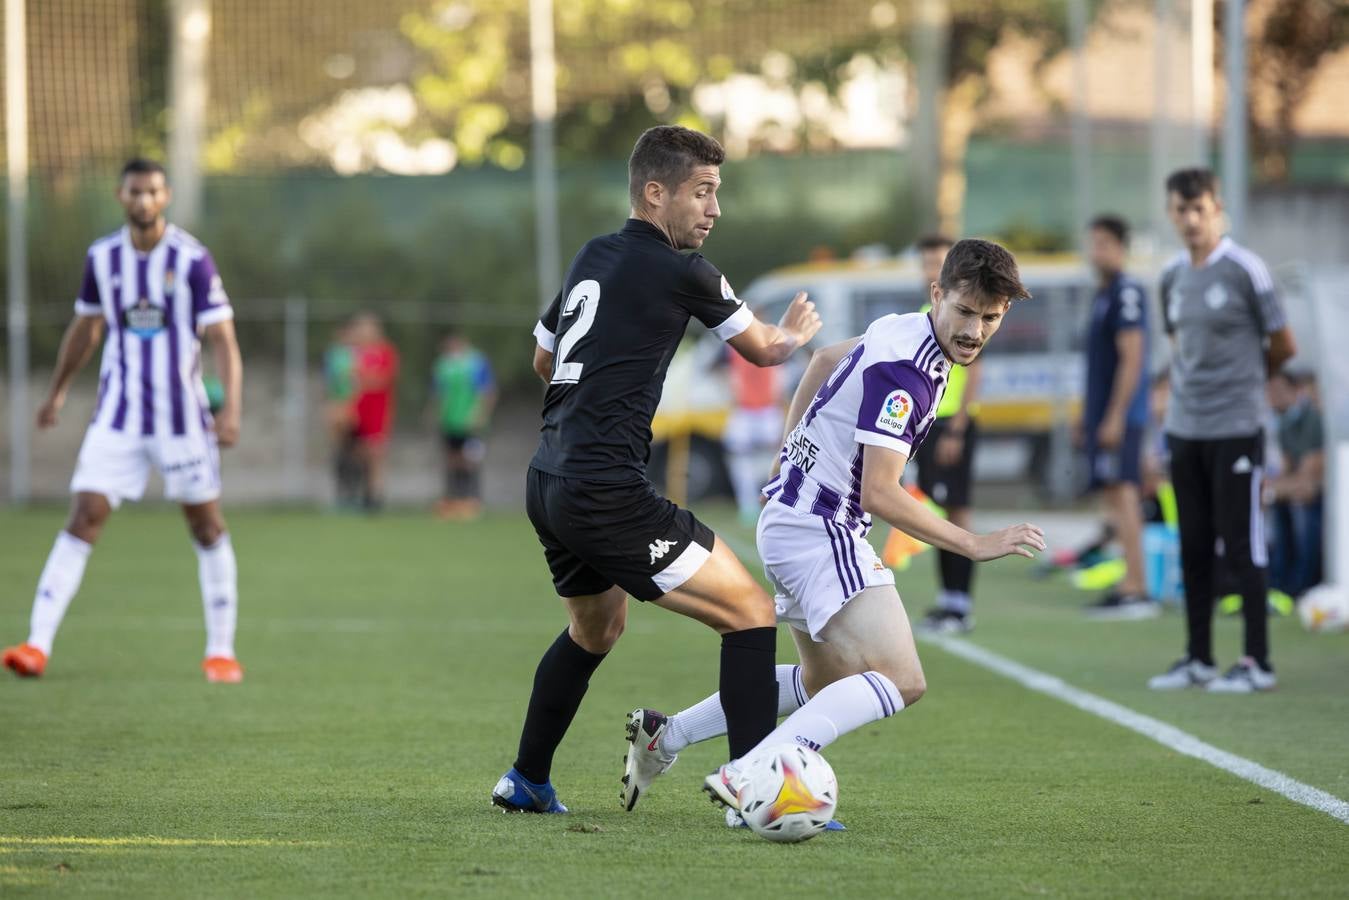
(1148, 727)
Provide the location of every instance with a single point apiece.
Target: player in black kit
(603, 348)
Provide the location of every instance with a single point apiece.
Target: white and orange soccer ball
(788, 793)
(1325, 609)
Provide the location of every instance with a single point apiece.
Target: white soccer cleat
(1246, 677)
(1183, 673)
(645, 760)
(723, 786)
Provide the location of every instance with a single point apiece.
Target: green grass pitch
(388, 663)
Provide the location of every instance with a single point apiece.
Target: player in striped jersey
(861, 410)
(154, 290)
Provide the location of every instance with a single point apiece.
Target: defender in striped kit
(153, 290)
(861, 409)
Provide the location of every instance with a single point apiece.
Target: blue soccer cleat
(515, 793)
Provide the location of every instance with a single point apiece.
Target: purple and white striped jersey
(155, 305)
(885, 393)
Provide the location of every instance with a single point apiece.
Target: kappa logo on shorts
(659, 548)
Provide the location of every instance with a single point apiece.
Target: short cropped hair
(667, 154)
(1112, 224)
(1192, 184)
(984, 268)
(142, 166)
(934, 241)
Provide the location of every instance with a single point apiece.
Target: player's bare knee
(598, 637)
(753, 610)
(87, 518)
(206, 528)
(908, 680)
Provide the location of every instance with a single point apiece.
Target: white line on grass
(1148, 727)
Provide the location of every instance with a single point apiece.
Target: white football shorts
(815, 565)
(748, 430)
(117, 465)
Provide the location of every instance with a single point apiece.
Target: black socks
(560, 683)
(749, 686)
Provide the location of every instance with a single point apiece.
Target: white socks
(706, 720)
(60, 580)
(838, 708)
(218, 574)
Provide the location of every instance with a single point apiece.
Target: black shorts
(596, 535)
(1120, 465)
(948, 486)
(459, 440)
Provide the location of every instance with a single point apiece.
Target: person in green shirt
(339, 365)
(464, 394)
(946, 469)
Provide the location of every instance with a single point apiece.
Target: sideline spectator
(464, 393)
(1296, 494)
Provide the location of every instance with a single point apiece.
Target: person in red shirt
(376, 377)
(753, 432)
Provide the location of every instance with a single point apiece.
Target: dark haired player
(861, 410)
(154, 288)
(946, 466)
(1228, 332)
(1115, 411)
(603, 348)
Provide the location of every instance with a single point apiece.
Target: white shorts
(748, 430)
(815, 565)
(117, 465)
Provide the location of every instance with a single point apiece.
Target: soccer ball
(788, 793)
(1325, 609)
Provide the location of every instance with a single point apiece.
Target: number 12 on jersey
(585, 295)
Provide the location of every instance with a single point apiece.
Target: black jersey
(613, 329)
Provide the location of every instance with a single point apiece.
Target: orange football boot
(26, 660)
(222, 670)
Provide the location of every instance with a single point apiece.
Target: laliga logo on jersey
(726, 292)
(896, 411)
(1215, 297)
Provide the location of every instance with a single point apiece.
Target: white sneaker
(645, 760)
(1245, 677)
(1183, 673)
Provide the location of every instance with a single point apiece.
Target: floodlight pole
(1201, 78)
(16, 174)
(931, 46)
(543, 93)
(1083, 201)
(188, 88)
(1236, 161)
(1157, 127)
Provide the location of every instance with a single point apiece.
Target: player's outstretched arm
(229, 368)
(82, 336)
(884, 497)
(770, 345)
